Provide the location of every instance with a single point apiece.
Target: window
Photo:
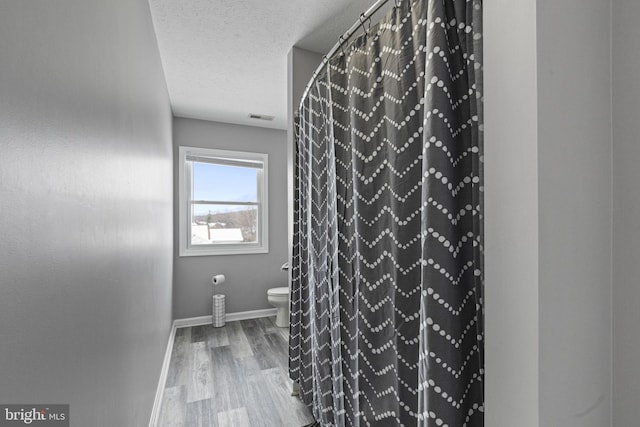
(223, 202)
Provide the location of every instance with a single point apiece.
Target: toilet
(279, 298)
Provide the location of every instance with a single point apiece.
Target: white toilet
(279, 298)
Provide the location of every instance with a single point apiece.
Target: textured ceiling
(226, 59)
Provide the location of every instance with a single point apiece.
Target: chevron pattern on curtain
(386, 298)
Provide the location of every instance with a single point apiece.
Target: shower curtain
(387, 271)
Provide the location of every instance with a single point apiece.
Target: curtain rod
(364, 17)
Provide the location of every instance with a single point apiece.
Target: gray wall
(626, 212)
(511, 216)
(574, 191)
(548, 213)
(248, 276)
(86, 190)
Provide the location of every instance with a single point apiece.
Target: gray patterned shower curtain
(386, 306)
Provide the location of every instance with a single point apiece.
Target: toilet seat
(278, 291)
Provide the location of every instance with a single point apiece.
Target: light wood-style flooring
(231, 376)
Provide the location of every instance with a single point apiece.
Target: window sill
(207, 251)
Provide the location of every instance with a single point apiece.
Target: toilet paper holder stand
(218, 303)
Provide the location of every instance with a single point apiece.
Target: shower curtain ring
(341, 41)
(397, 3)
(363, 21)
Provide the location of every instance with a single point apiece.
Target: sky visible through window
(225, 184)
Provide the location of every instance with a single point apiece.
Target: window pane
(224, 183)
(224, 224)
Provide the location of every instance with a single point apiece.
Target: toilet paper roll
(218, 279)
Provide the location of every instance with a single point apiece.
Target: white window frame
(185, 188)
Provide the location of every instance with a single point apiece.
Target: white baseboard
(155, 412)
(230, 317)
(194, 321)
(254, 314)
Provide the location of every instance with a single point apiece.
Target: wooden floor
(231, 376)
